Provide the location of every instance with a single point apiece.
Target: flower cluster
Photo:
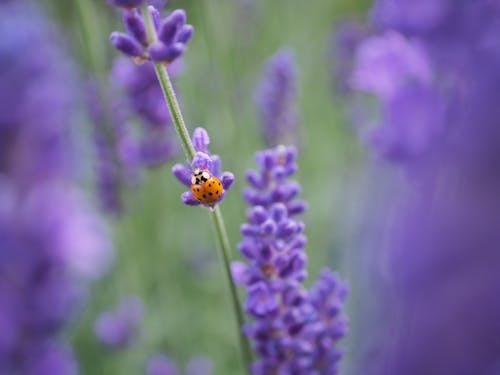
(202, 161)
(162, 365)
(173, 34)
(275, 98)
(119, 328)
(52, 243)
(293, 330)
(434, 66)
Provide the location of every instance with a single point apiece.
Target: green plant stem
(216, 214)
(225, 249)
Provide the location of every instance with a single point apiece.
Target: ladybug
(205, 187)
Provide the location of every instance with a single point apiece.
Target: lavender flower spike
(203, 161)
(294, 331)
(172, 33)
(275, 99)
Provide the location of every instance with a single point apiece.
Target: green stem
(216, 214)
(175, 111)
(225, 250)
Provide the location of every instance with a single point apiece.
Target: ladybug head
(200, 176)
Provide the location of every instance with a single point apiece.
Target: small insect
(205, 187)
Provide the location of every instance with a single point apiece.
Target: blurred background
(165, 252)
(398, 161)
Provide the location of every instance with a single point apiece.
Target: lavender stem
(216, 214)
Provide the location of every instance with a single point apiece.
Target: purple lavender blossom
(173, 35)
(119, 328)
(52, 242)
(139, 97)
(275, 99)
(436, 253)
(162, 365)
(294, 331)
(346, 39)
(205, 161)
(399, 72)
(133, 132)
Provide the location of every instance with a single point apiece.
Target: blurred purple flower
(275, 98)
(122, 148)
(139, 96)
(204, 161)
(52, 243)
(437, 249)
(119, 328)
(173, 35)
(294, 331)
(162, 365)
(346, 38)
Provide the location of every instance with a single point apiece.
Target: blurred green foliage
(165, 252)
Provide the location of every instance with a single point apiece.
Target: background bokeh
(165, 252)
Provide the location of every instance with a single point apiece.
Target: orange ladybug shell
(209, 191)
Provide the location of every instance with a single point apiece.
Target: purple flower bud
(135, 26)
(268, 227)
(189, 199)
(257, 215)
(165, 53)
(171, 26)
(185, 34)
(201, 140)
(210, 165)
(183, 174)
(260, 300)
(126, 44)
(227, 180)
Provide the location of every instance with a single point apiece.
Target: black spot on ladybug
(209, 185)
(210, 194)
(197, 189)
(216, 191)
(204, 195)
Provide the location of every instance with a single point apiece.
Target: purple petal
(216, 165)
(162, 53)
(240, 273)
(185, 35)
(201, 140)
(126, 44)
(188, 198)
(183, 174)
(257, 215)
(201, 160)
(170, 27)
(135, 26)
(250, 230)
(297, 207)
(227, 180)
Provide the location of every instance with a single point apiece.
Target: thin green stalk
(216, 214)
(225, 248)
